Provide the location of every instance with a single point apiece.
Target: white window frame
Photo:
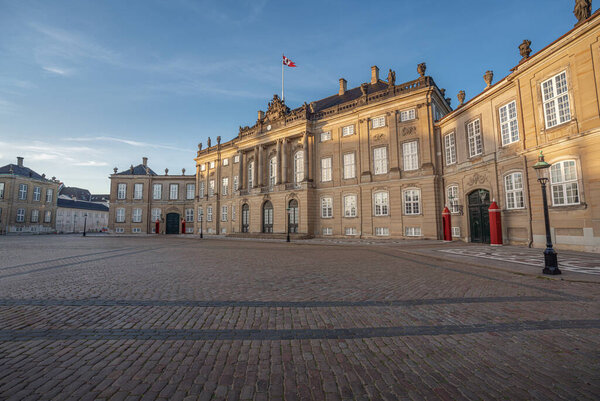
(189, 215)
(351, 231)
(190, 191)
(138, 191)
(209, 213)
(378, 122)
(20, 215)
(225, 186)
(410, 155)
(157, 191)
(555, 98)
(173, 191)
(509, 124)
(200, 213)
(121, 191)
(298, 167)
(272, 171)
(450, 148)
(2, 186)
(350, 205)
(203, 167)
(251, 174)
(136, 215)
(212, 164)
(37, 194)
(201, 189)
(224, 213)
(226, 161)
(407, 115)
(456, 232)
(381, 203)
(49, 195)
(120, 215)
(236, 158)
(513, 186)
(35, 216)
(349, 160)
(236, 184)
(325, 136)
(452, 198)
(211, 187)
(326, 169)
(232, 212)
(382, 231)
(348, 130)
(380, 160)
(564, 183)
(412, 201)
(155, 214)
(327, 231)
(48, 216)
(326, 207)
(412, 232)
(23, 191)
(474, 138)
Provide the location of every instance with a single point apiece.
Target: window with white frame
(555, 92)
(35, 216)
(236, 158)
(513, 186)
(173, 191)
(236, 184)
(351, 231)
(201, 189)
(381, 203)
(190, 190)
(456, 232)
(224, 212)
(22, 191)
(350, 206)
(410, 155)
(225, 186)
(226, 161)
(327, 231)
(138, 190)
(298, 166)
(121, 191)
(136, 230)
(200, 213)
(37, 194)
(348, 130)
(452, 198)
(349, 166)
(380, 162)
(407, 115)
(20, 215)
(155, 215)
(326, 169)
(211, 187)
(203, 167)
(325, 136)
(563, 180)
(212, 164)
(251, 174)
(47, 216)
(1, 190)
(326, 207)
(273, 171)
(450, 148)
(378, 122)
(474, 137)
(119, 230)
(209, 213)
(509, 127)
(412, 200)
(382, 231)
(412, 231)
(137, 215)
(157, 191)
(120, 215)
(232, 212)
(189, 215)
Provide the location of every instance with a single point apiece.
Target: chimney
(374, 74)
(20, 161)
(145, 161)
(343, 86)
(261, 114)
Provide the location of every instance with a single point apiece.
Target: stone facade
(75, 216)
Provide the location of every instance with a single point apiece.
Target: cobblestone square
(173, 318)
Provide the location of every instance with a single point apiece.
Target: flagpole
(282, 98)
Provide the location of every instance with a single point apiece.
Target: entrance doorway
(293, 217)
(172, 226)
(245, 218)
(479, 218)
(267, 217)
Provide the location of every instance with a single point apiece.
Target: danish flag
(288, 62)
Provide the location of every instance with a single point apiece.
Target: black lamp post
(84, 223)
(550, 259)
(289, 211)
(201, 235)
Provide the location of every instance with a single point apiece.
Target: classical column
(255, 169)
(260, 166)
(241, 170)
(278, 161)
(284, 159)
(305, 154)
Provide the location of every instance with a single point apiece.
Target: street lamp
(550, 259)
(201, 235)
(84, 222)
(289, 211)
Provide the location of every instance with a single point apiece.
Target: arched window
(267, 217)
(412, 201)
(251, 174)
(298, 166)
(245, 217)
(563, 179)
(273, 171)
(381, 203)
(513, 186)
(452, 198)
(293, 216)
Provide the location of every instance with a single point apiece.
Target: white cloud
(57, 70)
(91, 163)
(125, 141)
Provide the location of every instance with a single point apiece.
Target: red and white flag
(288, 62)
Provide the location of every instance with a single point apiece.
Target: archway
(172, 226)
(267, 217)
(479, 219)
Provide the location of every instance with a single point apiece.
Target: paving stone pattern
(184, 319)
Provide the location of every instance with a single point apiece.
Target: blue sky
(86, 86)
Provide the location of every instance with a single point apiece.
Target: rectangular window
(120, 215)
(326, 169)
(155, 215)
(22, 191)
(513, 185)
(189, 215)
(350, 231)
(349, 166)
(173, 191)
(350, 206)
(412, 201)
(121, 191)
(381, 202)
(190, 190)
(380, 160)
(137, 215)
(119, 230)
(509, 127)
(236, 184)
(452, 197)
(137, 191)
(273, 171)
(378, 122)
(474, 136)
(410, 155)
(348, 130)
(224, 211)
(200, 214)
(201, 190)
(236, 158)
(563, 180)
(325, 136)
(211, 188)
(225, 186)
(450, 148)
(326, 207)
(456, 232)
(47, 216)
(226, 162)
(1, 190)
(20, 215)
(555, 92)
(382, 231)
(35, 216)
(407, 115)
(203, 167)
(136, 230)
(232, 212)
(327, 231)
(251, 174)
(37, 194)
(49, 195)
(212, 164)
(412, 231)
(157, 191)
(209, 213)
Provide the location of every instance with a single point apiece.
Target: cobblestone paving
(172, 318)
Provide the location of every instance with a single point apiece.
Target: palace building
(383, 159)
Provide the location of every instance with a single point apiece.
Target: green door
(172, 226)
(479, 219)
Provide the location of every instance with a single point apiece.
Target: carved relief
(476, 179)
(379, 137)
(525, 49)
(582, 10)
(488, 78)
(461, 97)
(409, 131)
(276, 109)
(364, 88)
(421, 68)
(391, 78)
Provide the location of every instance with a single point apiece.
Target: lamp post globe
(542, 169)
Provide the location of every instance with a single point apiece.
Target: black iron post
(550, 258)
(201, 231)
(289, 210)
(84, 223)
